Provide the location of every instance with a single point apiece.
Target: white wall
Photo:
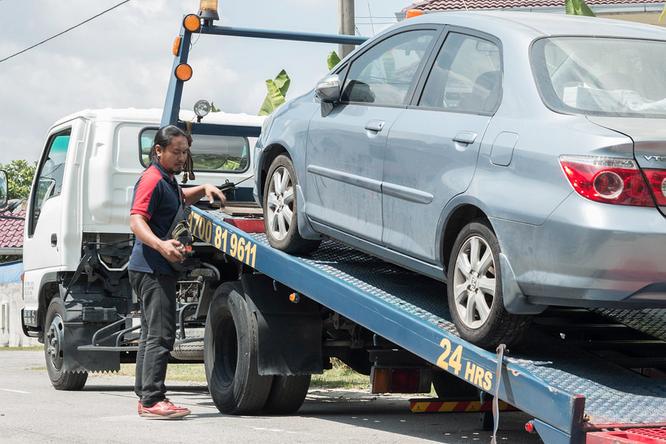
(11, 302)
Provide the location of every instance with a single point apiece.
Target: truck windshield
(229, 154)
(601, 75)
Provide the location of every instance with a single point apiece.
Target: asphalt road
(31, 411)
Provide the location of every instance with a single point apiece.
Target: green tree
(577, 7)
(19, 178)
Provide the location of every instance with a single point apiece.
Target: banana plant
(278, 87)
(577, 7)
(277, 93)
(332, 60)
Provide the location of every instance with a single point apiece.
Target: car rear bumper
(590, 254)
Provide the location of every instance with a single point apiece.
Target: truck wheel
(281, 209)
(230, 354)
(475, 290)
(452, 388)
(287, 394)
(54, 346)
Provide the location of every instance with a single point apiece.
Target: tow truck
(585, 376)
(271, 320)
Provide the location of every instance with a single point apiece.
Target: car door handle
(54, 240)
(375, 125)
(465, 137)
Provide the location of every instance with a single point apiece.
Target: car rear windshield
(601, 75)
(209, 153)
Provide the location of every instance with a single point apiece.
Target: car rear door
(345, 150)
(433, 146)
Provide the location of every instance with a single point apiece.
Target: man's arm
(193, 194)
(170, 249)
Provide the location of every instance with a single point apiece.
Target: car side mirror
(3, 189)
(328, 90)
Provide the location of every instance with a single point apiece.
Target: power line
(63, 32)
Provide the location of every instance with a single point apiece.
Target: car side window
(466, 76)
(385, 73)
(50, 175)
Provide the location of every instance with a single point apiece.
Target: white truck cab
(77, 236)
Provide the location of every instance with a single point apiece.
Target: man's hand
(172, 250)
(212, 191)
(193, 194)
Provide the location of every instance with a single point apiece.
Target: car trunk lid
(649, 140)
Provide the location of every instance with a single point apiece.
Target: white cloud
(123, 59)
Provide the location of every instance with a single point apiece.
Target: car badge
(655, 158)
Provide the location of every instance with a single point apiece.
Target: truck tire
(287, 394)
(281, 209)
(476, 309)
(230, 354)
(54, 346)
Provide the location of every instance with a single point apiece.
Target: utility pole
(347, 24)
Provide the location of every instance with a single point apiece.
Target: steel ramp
(567, 390)
(651, 321)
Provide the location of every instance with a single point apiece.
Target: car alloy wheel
(474, 282)
(280, 203)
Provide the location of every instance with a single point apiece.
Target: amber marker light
(411, 13)
(184, 72)
(175, 49)
(192, 22)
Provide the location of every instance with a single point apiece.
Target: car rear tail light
(608, 180)
(657, 181)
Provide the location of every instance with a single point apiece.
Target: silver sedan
(519, 157)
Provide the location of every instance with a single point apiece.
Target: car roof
(534, 25)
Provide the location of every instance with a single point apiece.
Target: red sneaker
(139, 408)
(163, 410)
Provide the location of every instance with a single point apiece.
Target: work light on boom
(208, 10)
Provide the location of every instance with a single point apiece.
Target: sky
(123, 58)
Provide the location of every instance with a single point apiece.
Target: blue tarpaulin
(11, 273)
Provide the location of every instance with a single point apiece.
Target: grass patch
(22, 349)
(175, 372)
(339, 377)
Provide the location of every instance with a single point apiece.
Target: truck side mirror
(3, 189)
(328, 90)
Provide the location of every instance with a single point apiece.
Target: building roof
(528, 26)
(11, 230)
(448, 5)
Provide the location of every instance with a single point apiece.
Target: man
(157, 201)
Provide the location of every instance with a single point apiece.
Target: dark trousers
(157, 295)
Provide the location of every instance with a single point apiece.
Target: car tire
(474, 290)
(54, 350)
(231, 352)
(281, 209)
